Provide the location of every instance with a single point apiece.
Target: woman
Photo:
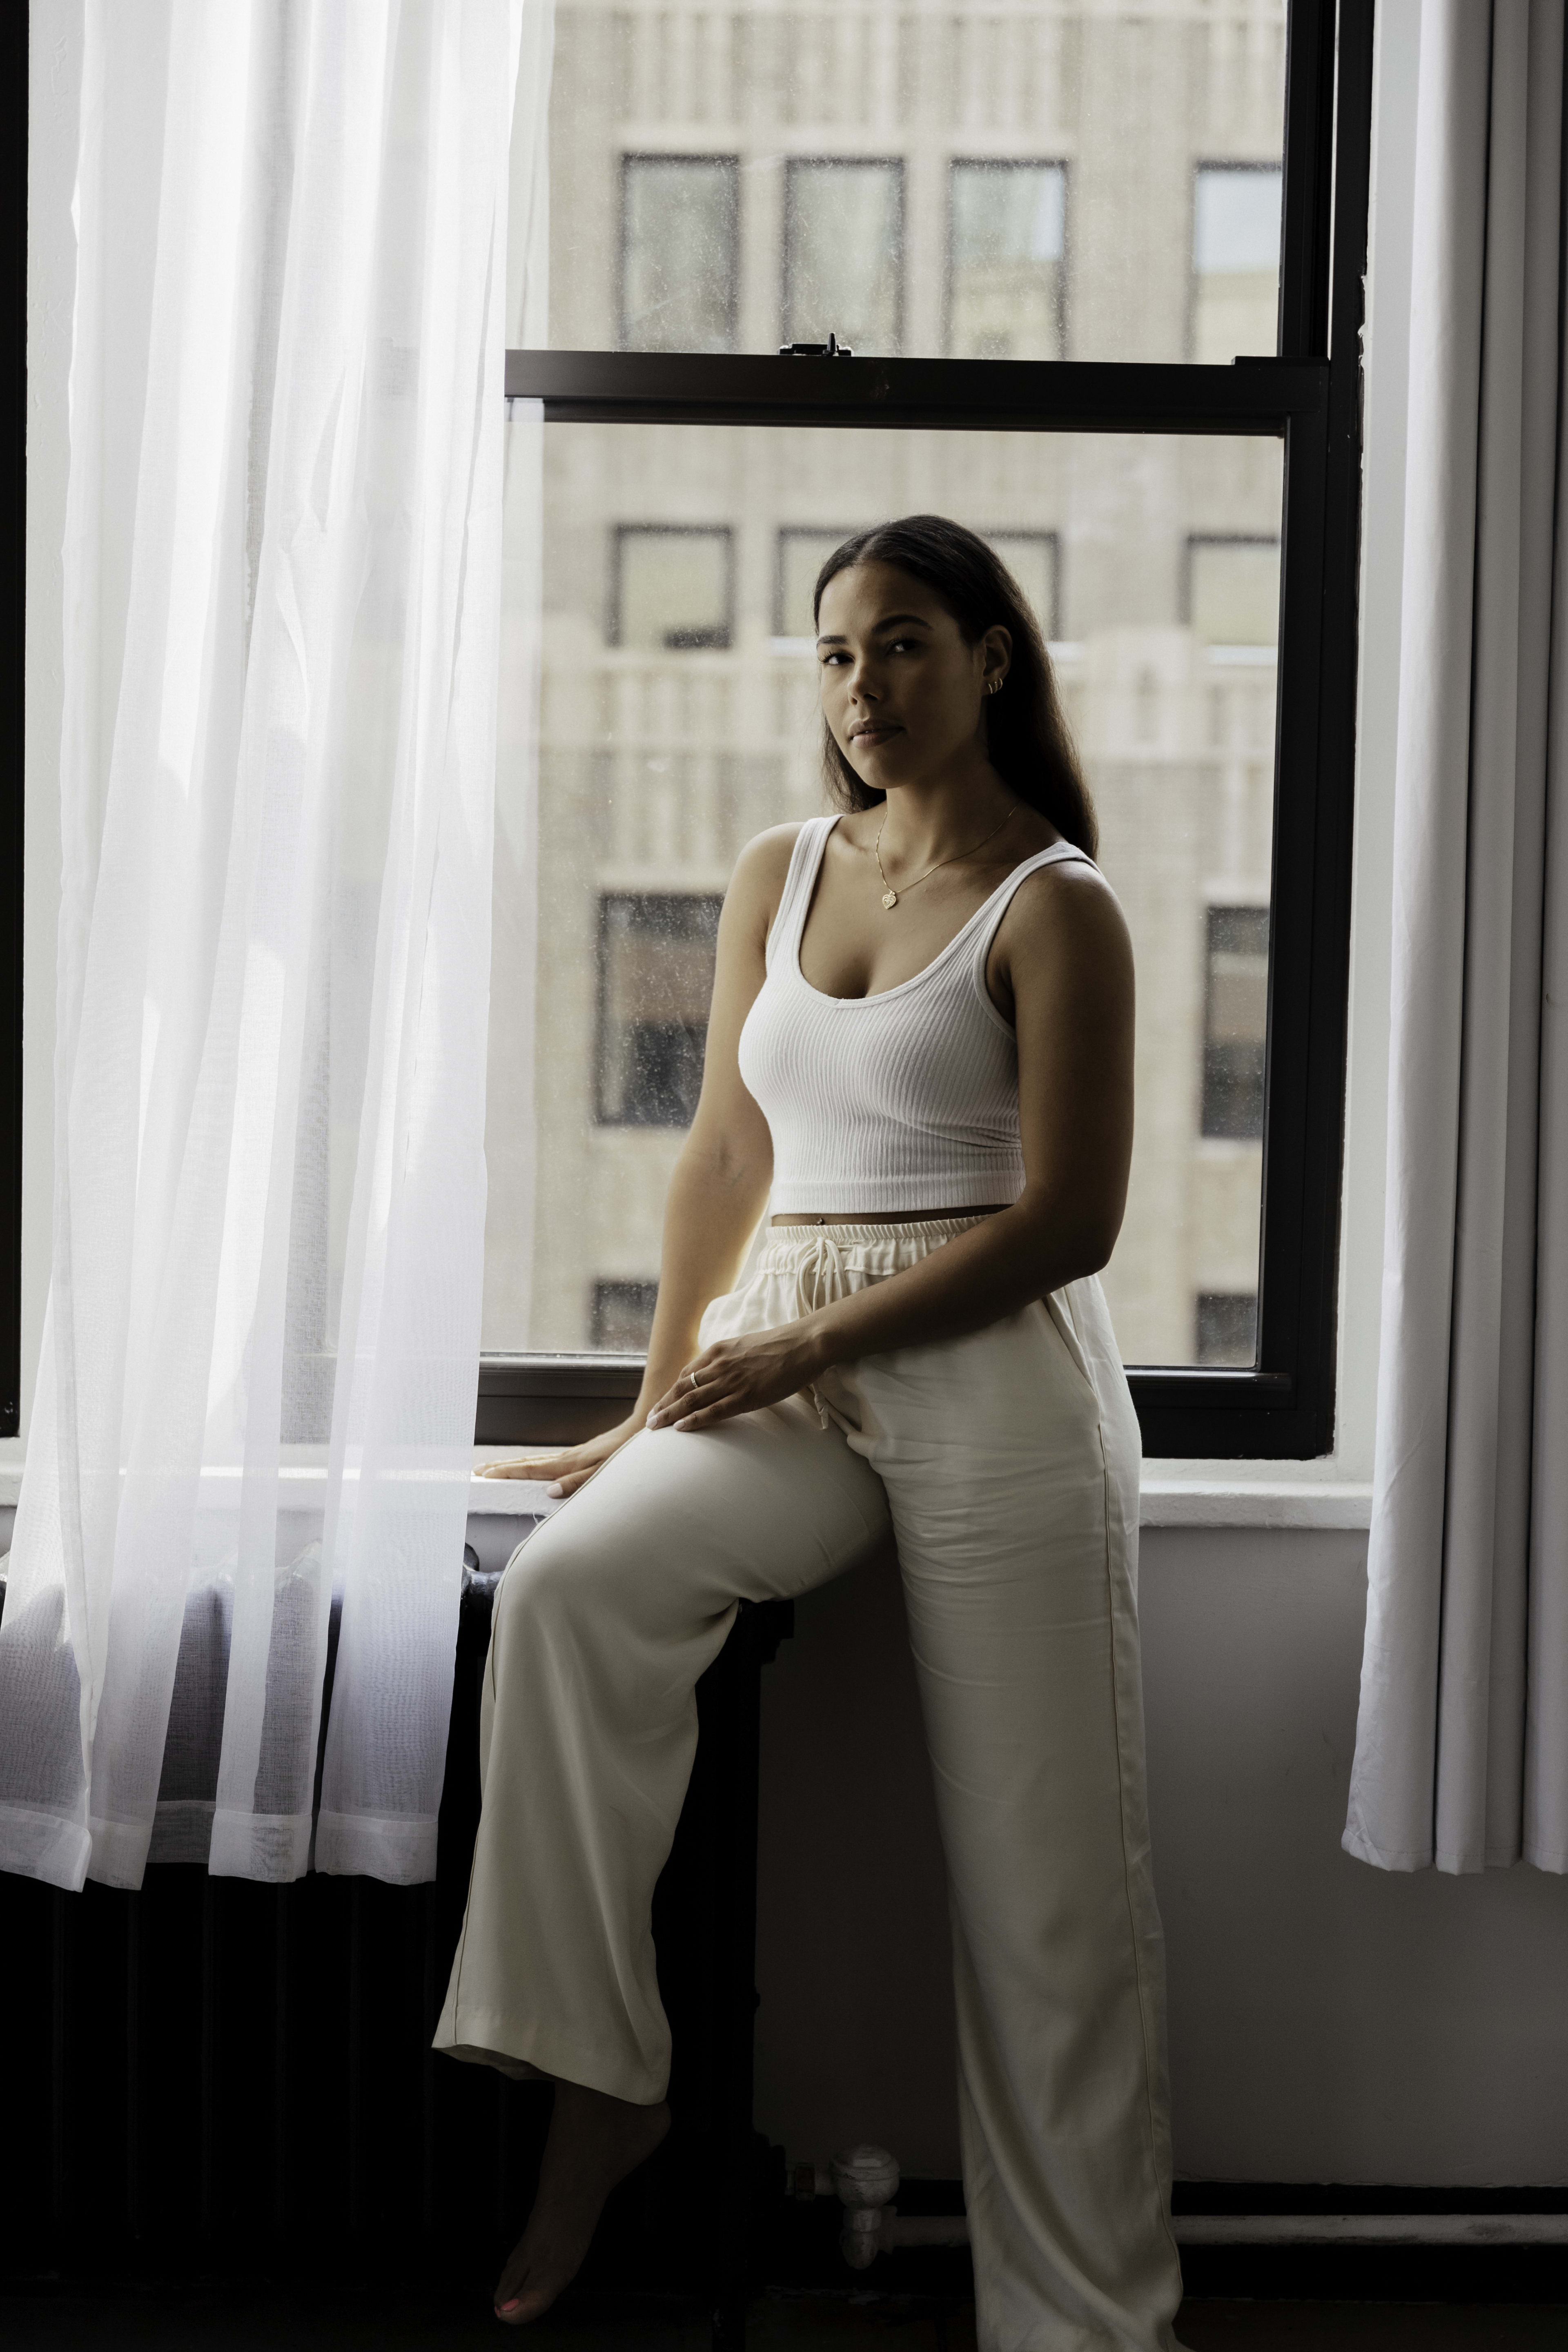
(921, 1048)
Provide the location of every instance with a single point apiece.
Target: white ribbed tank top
(904, 1100)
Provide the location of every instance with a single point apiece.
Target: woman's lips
(868, 738)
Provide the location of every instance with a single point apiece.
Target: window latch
(831, 350)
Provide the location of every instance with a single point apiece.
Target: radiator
(210, 2070)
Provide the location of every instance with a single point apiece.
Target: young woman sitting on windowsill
(921, 1054)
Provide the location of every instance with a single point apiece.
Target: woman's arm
(719, 1185)
(1067, 961)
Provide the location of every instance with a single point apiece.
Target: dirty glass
(990, 179)
(677, 716)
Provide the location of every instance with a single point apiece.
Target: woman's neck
(920, 823)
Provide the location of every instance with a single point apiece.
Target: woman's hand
(740, 1376)
(568, 1471)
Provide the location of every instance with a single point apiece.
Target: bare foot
(595, 2141)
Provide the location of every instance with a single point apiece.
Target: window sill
(1166, 1502)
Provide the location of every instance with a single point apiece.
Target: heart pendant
(890, 898)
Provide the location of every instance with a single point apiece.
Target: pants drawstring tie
(820, 1278)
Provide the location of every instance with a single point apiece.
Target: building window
(655, 976)
(844, 254)
(1236, 1020)
(621, 1316)
(1006, 240)
(1235, 260)
(680, 252)
(1033, 557)
(673, 588)
(802, 552)
(1227, 1327)
(1231, 591)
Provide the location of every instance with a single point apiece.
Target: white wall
(1328, 2021)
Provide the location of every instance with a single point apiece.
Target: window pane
(802, 554)
(622, 1316)
(1004, 302)
(1233, 589)
(1074, 182)
(659, 756)
(1031, 558)
(1235, 261)
(655, 976)
(678, 253)
(1235, 1020)
(1227, 1327)
(844, 251)
(672, 588)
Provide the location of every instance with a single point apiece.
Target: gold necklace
(891, 896)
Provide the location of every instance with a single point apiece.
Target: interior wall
(1328, 2021)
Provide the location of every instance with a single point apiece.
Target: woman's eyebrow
(891, 620)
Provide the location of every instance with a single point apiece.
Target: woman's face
(902, 689)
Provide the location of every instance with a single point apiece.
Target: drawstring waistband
(820, 1277)
(816, 1257)
(820, 1271)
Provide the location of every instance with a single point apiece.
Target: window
(1236, 1020)
(1006, 285)
(1031, 556)
(843, 255)
(672, 589)
(1233, 590)
(802, 552)
(655, 975)
(1235, 260)
(1184, 528)
(679, 253)
(622, 1315)
(1227, 1327)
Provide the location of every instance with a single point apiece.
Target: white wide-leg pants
(1005, 1464)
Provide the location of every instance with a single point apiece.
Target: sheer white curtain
(1462, 1749)
(282, 570)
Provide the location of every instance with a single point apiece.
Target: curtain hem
(45, 1846)
(401, 1852)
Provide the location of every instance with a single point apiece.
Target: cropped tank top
(904, 1100)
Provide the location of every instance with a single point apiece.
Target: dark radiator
(210, 2070)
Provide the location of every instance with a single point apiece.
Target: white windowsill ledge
(1167, 1502)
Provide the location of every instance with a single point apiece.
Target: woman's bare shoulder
(763, 863)
(1067, 905)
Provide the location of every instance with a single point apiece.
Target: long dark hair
(1028, 737)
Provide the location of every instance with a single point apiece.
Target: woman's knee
(551, 1581)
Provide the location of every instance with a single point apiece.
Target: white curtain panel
(254, 1414)
(1462, 1747)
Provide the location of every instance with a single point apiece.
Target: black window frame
(1309, 394)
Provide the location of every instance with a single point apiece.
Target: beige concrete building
(1086, 182)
